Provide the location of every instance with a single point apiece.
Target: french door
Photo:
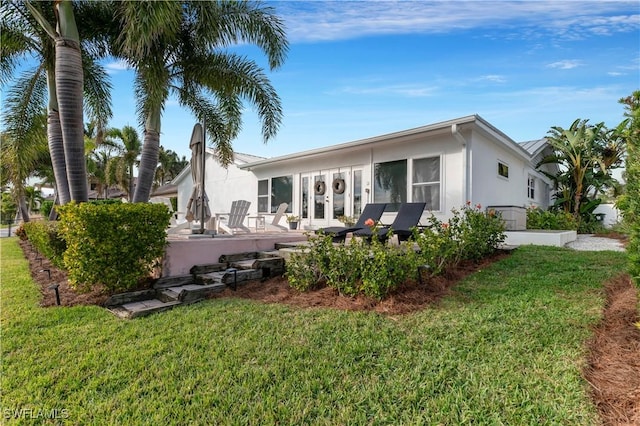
(327, 195)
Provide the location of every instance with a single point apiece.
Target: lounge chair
(408, 217)
(233, 222)
(339, 233)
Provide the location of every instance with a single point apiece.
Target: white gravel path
(587, 242)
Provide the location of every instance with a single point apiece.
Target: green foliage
(45, 208)
(112, 244)
(357, 268)
(631, 203)
(550, 219)
(470, 234)
(45, 236)
(375, 269)
(8, 208)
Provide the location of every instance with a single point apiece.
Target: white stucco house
(444, 164)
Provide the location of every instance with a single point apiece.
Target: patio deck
(185, 251)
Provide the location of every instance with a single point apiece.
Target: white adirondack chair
(274, 225)
(233, 222)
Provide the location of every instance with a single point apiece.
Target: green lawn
(506, 348)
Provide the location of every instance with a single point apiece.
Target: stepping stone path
(204, 280)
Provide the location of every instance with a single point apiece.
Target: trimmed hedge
(46, 238)
(114, 245)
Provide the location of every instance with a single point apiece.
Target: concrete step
(143, 308)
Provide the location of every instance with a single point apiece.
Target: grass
(506, 348)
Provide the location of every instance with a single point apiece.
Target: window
(263, 196)
(305, 198)
(357, 192)
(503, 170)
(281, 192)
(390, 184)
(531, 187)
(426, 182)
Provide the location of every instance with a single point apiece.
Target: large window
(426, 182)
(390, 184)
(281, 192)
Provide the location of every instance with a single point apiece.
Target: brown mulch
(613, 363)
(409, 297)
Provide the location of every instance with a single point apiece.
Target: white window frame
(439, 182)
(505, 164)
(531, 187)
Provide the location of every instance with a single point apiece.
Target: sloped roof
(534, 147)
(474, 120)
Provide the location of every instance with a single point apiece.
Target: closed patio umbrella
(198, 205)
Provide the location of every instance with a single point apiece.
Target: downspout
(466, 163)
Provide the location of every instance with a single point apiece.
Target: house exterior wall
(221, 185)
(469, 150)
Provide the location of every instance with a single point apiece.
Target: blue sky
(365, 68)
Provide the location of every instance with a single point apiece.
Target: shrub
(550, 219)
(45, 236)
(470, 234)
(45, 208)
(112, 244)
(357, 268)
(481, 232)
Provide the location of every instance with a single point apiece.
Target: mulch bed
(613, 360)
(613, 363)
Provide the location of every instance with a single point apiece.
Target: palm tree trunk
(148, 159)
(56, 146)
(69, 89)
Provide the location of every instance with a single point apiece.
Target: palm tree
(177, 48)
(19, 158)
(585, 153)
(119, 169)
(169, 166)
(27, 31)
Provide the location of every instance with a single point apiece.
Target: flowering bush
(470, 234)
(376, 268)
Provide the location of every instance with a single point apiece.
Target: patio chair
(234, 220)
(339, 233)
(275, 222)
(408, 217)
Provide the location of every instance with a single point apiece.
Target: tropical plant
(169, 166)
(19, 157)
(27, 31)
(631, 204)
(119, 169)
(585, 154)
(177, 47)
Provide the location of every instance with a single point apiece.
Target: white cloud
(116, 67)
(565, 64)
(493, 78)
(406, 90)
(319, 20)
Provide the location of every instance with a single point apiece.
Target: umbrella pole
(204, 152)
